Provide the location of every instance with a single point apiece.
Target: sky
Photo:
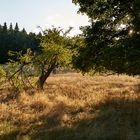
(44, 13)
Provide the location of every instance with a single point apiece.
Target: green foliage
(54, 47)
(55, 53)
(108, 45)
(17, 73)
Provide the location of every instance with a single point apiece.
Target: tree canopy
(112, 40)
(55, 53)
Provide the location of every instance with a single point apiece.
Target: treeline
(14, 39)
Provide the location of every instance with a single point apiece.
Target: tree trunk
(43, 77)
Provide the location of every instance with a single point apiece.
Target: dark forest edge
(16, 40)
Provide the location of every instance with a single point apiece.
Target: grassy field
(73, 107)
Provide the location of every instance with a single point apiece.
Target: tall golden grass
(74, 107)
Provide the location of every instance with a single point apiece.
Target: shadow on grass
(115, 119)
(137, 88)
(112, 119)
(9, 94)
(10, 136)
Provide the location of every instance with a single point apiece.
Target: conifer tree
(5, 27)
(16, 27)
(24, 31)
(11, 27)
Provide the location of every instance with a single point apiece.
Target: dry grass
(74, 107)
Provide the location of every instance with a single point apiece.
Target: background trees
(112, 40)
(15, 40)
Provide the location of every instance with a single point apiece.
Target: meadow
(73, 107)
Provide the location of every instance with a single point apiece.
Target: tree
(55, 53)
(5, 27)
(112, 40)
(24, 31)
(11, 27)
(3, 41)
(16, 27)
